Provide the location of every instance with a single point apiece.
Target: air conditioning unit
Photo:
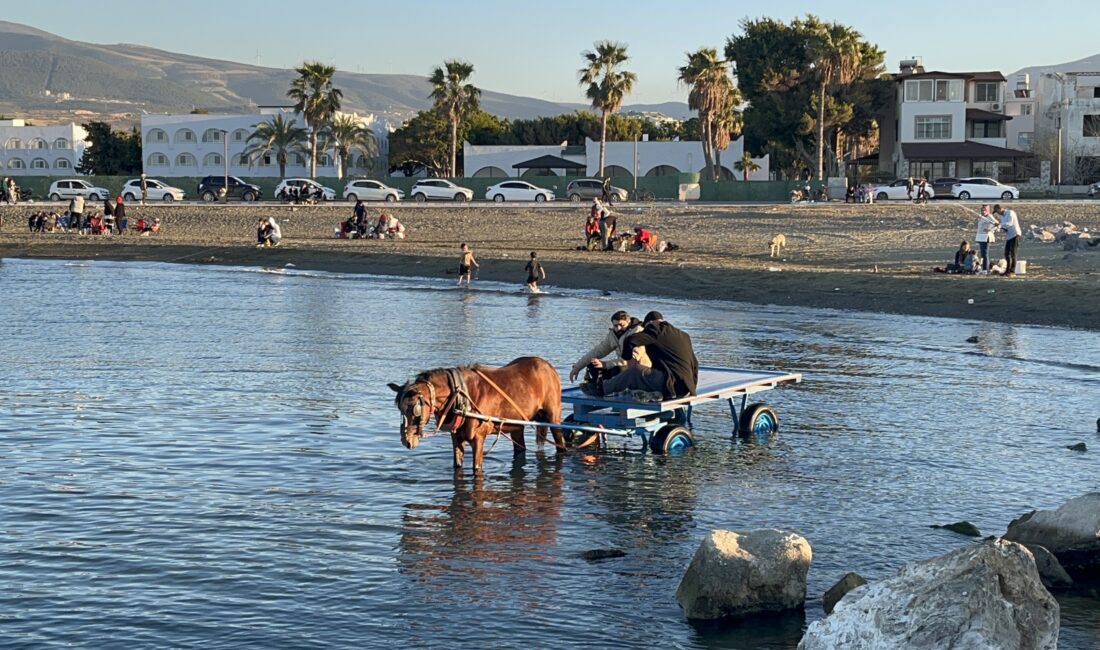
(996, 107)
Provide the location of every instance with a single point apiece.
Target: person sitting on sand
(644, 239)
(346, 228)
(270, 234)
(960, 258)
(467, 262)
(972, 262)
(151, 229)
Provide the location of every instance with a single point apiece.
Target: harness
(449, 417)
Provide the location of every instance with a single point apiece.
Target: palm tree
(606, 83)
(710, 82)
(276, 135)
(746, 165)
(454, 97)
(347, 134)
(316, 99)
(727, 124)
(836, 55)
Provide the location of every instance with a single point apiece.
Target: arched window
(324, 160)
(240, 135)
(298, 159)
(724, 174)
(212, 159)
(158, 160)
(490, 172)
(241, 160)
(616, 171)
(16, 163)
(157, 135)
(62, 163)
(185, 160)
(185, 136)
(38, 143)
(212, 135)
(362, 162)
(14, 143)
(663, 170)
(40, 163)
(61, 143)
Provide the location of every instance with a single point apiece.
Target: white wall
(908, 112)
(477, 157)
(75, 135)
(685, 156)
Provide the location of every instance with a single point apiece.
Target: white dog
(775, 246)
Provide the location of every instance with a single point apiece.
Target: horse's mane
(428, 375)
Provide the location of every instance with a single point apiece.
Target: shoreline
(1022, 301)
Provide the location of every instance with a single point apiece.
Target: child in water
(465, 265)
(535, 272)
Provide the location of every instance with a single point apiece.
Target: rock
(1050, 569)
(983, 596)
(972, 339)
(962, 528)
(1045, 236)
(849, 582)
(602, 554)
(1078, 447)
(740, 573)
(1071, 533)
(1097, 425)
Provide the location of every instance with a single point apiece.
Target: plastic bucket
(1021, 267)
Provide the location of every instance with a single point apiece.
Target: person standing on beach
(1011, 226)
(76, 212)
(467, 263)
(144, 189)
(607, 227)
(987, 226)
(909, 187)
(120, 215)
(360, 214)
(535, 272)
(606, 189)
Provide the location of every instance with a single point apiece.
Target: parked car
(327, 193)
(156, 190)
(1094, 190)
(518, 191)
(897, 190)
(591, 188)
(943, 185)
(369, 190)
(208, 189)
(438, 189)
(983, 188)
(69, 188)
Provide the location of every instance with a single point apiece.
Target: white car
(67, 189)
(896, 190)
(327, 193)
(1094, 189)
(368, 190)
(155, 190)
(517, 191)
(983, 188)
(438, 189)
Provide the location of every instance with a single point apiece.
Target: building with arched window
(39, 150)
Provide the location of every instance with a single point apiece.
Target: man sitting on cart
(675, 371)
(622, 326)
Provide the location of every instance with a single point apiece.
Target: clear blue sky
(533, 48)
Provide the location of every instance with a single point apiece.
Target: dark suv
(209, 187)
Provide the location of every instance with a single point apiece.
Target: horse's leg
(552, 411)
(519, 444)
(456, 443)
(477, 448)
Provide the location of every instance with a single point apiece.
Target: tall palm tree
(710, 82)
(727, 124)
(347, 134)
(606, 83)
(746, 165)
(836, 55)
(455, 98)
(316, 99)
(277, 136)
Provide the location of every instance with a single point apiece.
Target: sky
(533, 49)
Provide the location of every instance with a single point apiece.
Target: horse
(528, 388)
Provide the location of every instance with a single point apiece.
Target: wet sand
(872, 258)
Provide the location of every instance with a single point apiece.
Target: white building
(1059, 107)
(653, 158)
(41, 150)
(193, 145)
(947, 124)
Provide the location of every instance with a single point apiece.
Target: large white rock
(982, 597)
(1071, 533)
(740, 573)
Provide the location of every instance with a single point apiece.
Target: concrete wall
(683, 156)
(21, 160)
(909, 111)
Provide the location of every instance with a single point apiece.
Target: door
(372, 192)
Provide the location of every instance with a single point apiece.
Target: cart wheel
(759, 420)
(671, 440)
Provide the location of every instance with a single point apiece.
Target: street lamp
(225, 164)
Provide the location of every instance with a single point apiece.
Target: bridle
(418, 407)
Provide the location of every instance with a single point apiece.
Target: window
(1023, 140)
(212, 135)
(987, 91)
(932, 169)
(1090, 128)
(38, 143)
(15, 163)
(242, 159)
(932, 127)
(212, 159)
(157, 135)
(299, 160)
(1025, 109)
(14, 143)
(938, 90)
(986, 129)
(185, 160)
(240, 135)
(324, 160)
(1096, 91)
(158, 160)
(62, 163)
(184, 136)
(40, 163)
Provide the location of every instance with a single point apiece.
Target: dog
(775, 246)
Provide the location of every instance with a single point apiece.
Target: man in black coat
(675, 371)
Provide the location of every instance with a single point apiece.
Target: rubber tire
(671, 439)
(419, 197)
(498, 198)
(758, 420)
(208, 196)
(882, 196)
(460, 198)
(540, 198)
(93, 197)
(167, 198)
(391, 198)
(248, 196)
(353, 198)
(55, 197)
(129, 197)
(964, 196)
(575, 198)
(1006, 196)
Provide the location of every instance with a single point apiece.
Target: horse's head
(416, 401)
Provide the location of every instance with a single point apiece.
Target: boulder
(1071, 533)
(1078, 447)
(849, 582)
(1050, 569)
(740, 573)
(983, 596)
(1045, 236)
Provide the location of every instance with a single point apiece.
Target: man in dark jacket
(675, 371)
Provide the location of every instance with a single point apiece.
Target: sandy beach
(860, 257)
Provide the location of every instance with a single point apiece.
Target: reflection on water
(209, 457)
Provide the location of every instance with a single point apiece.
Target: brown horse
(528, 388)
